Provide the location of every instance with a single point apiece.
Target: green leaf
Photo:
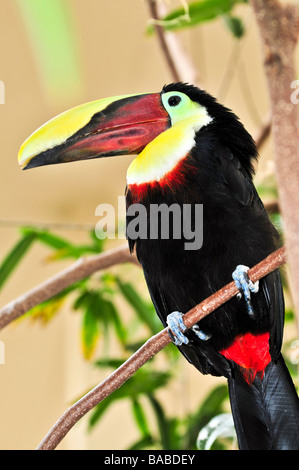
(143, 382)
(47, 237)
(268, 187)
(289, 315)
(197, 13)
(82, 300)
(164, 424)
(114, 318)
(143, 443)
(102, 312)
(45, 311)
(89, 332)
(63, 248)
(109, 363)
(145, 310)
(210, 407)
(97, 243)
(14, 256)
(214, 401)
(89, 301)
(235, 26)
(140, 417)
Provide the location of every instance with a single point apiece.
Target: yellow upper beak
(112, 126)
(56, 131)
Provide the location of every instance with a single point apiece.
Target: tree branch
(179, 62)
(263, 132)
(272, 207)
(148, 350)
(163, 43)
(81, 269)
(182, 68)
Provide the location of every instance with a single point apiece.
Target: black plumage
(218, 173)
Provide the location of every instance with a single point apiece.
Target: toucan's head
(161, 128)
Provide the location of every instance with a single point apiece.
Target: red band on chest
(173, 180)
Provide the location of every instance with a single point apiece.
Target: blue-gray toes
(245, 285)
(177, 327)
(203, 336)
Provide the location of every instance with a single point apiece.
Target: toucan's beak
(112, 126)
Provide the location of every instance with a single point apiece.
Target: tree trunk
(279, 26)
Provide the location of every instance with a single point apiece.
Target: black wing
(200, 354)
(271, 296)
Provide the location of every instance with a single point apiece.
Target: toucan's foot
(177, 327)
(245, 285)
(203, 336)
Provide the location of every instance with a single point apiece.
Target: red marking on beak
(125, 127)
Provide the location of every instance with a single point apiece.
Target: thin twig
(148, 350)
(79, 270)
(263, 132)
(272, 207)
(185, 67)
(161, 36)
(70, 226)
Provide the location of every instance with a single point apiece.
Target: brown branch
(188, 72)
(148, 350)
(185, 69)
(81, 269)
(263, 132)
(272, 207)
(278, 24)
(163, 43)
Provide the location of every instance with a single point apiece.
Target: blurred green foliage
(54, 40)
(97, 300)
(198, 13)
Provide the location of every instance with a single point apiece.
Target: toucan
(192, 151)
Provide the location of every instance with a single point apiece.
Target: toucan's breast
(173, 181)
(160, 161)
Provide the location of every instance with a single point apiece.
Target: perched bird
(193, 152)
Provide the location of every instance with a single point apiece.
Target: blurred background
(54, 55)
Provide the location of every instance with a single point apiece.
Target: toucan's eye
(174, 100)
(180, 108)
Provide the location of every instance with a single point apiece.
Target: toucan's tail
(266, 412)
